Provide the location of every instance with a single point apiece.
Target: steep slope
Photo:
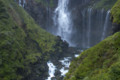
(101, 62)
(98, 62)
(83, 13)
(116, 17)
(24, 46)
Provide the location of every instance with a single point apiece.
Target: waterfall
(106, 25)
(93, 27)
(22, 3)
(89, 26)
(66, 63)
(83, 29)
(62, 21)
(51, 71)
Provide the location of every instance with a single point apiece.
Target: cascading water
(22, 3)
(84, 29)
(89, 26)
(92, 28)
(62, 21)
(106, 24)
(51, 71)
(66, 64)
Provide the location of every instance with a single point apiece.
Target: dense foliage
(100, 62)
(116, 12)
(22, 42)
(48, 3)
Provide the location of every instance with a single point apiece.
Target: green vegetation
(106, 4)
(115, 12)
(22, 42)
(100, 62)
(49, 3)
(103, 4)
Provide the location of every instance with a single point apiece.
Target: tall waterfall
(80, 27)
(89, 26)
(62, 21)
(106, 24)
(93, 27)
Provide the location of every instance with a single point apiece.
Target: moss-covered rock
(115, 12)
(115, 16)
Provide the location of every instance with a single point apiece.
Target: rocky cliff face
(88, 18)
(41, 11)
(91, 20)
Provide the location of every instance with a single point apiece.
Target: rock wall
(80, 15)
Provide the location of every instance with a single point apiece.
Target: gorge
(87, 22)
(59, 39)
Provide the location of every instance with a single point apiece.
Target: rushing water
(51, 71)
(22, 3)
(95, 26)
(106, 24)
(92, 28)
(89, 26)
(65, 63)
(62, 21)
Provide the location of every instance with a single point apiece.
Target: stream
(65, 63)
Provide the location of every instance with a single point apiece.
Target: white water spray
(62, 21)
(52, 69)
(66, 63)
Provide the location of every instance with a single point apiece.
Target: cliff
(85, 16)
